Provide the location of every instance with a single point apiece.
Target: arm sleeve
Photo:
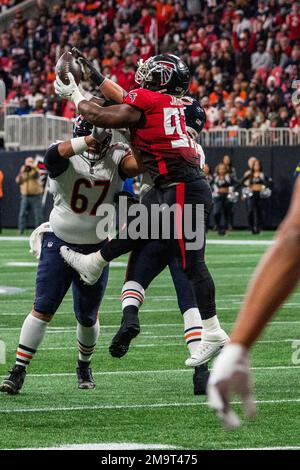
(55, 164)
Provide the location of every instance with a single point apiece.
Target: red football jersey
(168, 152)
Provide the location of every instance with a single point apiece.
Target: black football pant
(192, 261)
(149, 259)
(188, 260)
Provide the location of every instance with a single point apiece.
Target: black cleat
(121, 341)
(200, 379)
(84, 376)
(13, 384)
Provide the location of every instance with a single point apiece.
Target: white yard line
(102, 446)
(209, 241)
(33, 264)
(233, 308)
(137, 406)
(63, 329)
(158, 345)
(240, 242)
(12, 239)
(149, 372)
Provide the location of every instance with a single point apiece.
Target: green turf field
(146, 397)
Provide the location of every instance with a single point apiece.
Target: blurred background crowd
(244, 55)
(5, 4)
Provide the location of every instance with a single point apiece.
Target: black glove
(96, 77)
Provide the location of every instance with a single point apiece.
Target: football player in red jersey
(155, 115)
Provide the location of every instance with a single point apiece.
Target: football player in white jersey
(90, 266)
(84, 172)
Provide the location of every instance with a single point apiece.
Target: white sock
(212, 324)
(31, 336)
(87, 337)
(192, 329)
(133, 294)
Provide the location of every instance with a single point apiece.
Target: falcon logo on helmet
(163, 71)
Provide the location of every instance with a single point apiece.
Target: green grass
(146, 397)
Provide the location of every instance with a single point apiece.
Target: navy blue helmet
(195, 117)
(82, 127)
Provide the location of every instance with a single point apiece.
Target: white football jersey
(80, 190)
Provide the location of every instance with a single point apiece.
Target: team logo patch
(132, 96)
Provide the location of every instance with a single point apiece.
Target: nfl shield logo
(50, 244)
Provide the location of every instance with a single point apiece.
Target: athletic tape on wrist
(79, 145)
(77, 97)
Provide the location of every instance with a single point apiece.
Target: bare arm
(22, 176)
(112, 117)
(65, 149)
(57, 156)
(274, 279)
(131, 165)
(112, 91)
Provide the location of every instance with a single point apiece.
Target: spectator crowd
(6, 4)
(244, 55)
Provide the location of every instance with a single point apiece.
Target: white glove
(70, 91)
(231, 375)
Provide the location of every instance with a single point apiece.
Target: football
(68, 63)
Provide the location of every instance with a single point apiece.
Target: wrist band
(77, 97)
(87, 95)
(79, 145)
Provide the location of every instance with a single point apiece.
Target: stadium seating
(243, 59)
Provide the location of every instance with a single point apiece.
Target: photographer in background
(31, 194)
(1, 197)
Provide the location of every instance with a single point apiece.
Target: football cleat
(122, 339)
(88, 268)
(210, 345)
(14, 382)
(200, 379)
(84, 376)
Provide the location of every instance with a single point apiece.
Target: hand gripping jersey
(78, 192)
(168, 153)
